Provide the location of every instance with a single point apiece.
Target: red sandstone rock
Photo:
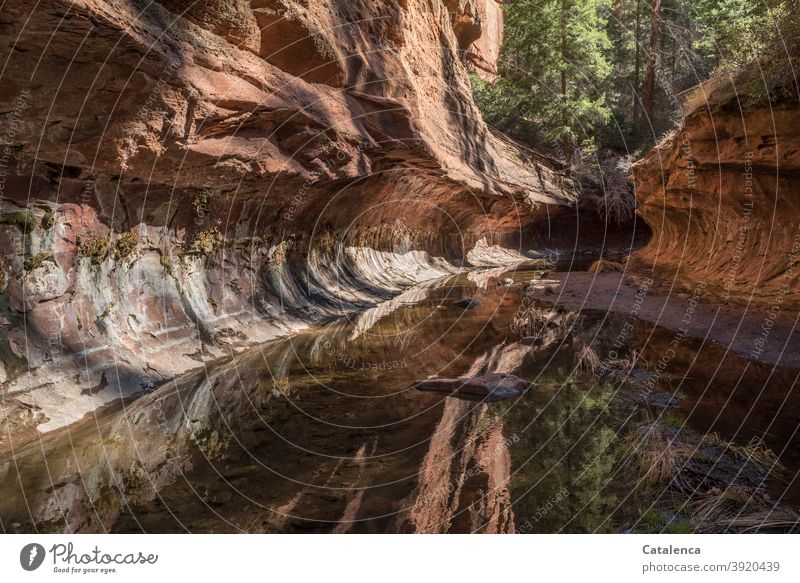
(720, 197)
(484, 53)
(220, 173)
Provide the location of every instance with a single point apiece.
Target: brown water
(324, 431)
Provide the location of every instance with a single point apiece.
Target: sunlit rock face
(185, 179)
(484, 53)
(720, 196)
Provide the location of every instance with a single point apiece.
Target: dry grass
(755, 452)
(718, 507)
(622, 368)
(738, 509)
(662, 459)
(766, 519)
(617, 207)
(533, 321)
(617, 204)
(529, 320)
(588, 361)
(725, 507)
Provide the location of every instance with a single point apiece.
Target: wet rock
(491, 387)
(467, 303)
(705, 462)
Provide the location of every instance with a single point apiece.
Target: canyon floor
(325, 431)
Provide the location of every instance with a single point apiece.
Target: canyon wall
(720, 195)
(484, 53)
(181, 180)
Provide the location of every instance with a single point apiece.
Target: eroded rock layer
(720, 197)
(184, 179)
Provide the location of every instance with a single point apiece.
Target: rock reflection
(325, 432)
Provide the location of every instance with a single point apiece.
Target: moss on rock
(125, 246)
(37, 260)
(48, 220)
(24, 221)
(96, 249)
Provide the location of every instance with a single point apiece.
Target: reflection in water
(324, 432)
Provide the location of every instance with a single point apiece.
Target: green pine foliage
(572, 72)
(553, 72)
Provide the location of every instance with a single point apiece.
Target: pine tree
(553, 73)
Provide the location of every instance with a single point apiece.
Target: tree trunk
(565, 145)
(636, 80)
(650, 80)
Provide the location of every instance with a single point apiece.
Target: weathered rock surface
(185, 179)
(484, 53)
(19, 422)
(720, 198)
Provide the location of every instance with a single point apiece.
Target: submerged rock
(658, 399)
(490, 387)
(467, 303)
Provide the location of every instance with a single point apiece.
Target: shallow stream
(326, 432)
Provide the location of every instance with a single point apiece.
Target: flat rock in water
(491, 387)
(466, 302)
